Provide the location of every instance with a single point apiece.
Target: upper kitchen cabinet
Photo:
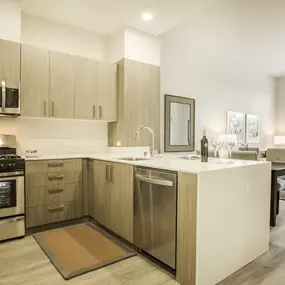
(10, 62)
(34, 81)
(62, 80)
(86, 85)
(107, 91)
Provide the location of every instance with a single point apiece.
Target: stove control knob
(1, 165)
(9, 164)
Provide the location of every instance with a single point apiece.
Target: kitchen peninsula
(222, 208)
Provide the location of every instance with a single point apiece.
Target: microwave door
(11, 100)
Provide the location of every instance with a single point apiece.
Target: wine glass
(216, 144)
(229, 143)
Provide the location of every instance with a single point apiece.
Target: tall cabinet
(34, 81)
(138, 104)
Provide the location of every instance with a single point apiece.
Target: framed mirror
(179, 124)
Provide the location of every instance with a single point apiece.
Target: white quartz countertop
(164, 161)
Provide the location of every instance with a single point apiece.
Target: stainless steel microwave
(10, 99)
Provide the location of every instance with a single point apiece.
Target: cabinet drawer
(54, 165)
(36, 216)
(64, 177)
(64, 165)
(52, 178)
(52, 194)
(70, 210)
(36, 166)
(47, 214)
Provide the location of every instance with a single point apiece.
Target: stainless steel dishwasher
(155, 203)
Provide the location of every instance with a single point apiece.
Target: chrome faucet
(153, 151)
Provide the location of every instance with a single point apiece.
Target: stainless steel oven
(10, 99)
(12, 194)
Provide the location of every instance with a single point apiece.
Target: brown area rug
(79, 249)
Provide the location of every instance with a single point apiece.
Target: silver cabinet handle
(52, 108)
(53, 191)
(107, 173)
(100, 112)
(3, 86)
(56, 209)
(154, 181)
(94, 111)
(58, 177)
(44, 108)
(112, 174)
(55, 164)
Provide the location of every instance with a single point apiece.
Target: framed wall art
(236, 125)
(253, 128)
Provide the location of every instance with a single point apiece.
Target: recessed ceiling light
(147, 16)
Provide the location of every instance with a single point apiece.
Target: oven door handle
(14, 220)
(10, 174)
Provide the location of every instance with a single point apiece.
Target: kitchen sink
(193, 157)
(133, 158)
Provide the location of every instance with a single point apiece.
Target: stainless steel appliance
(155, 204)
(10, 99)
(12, 190)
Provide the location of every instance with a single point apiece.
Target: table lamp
(279, 140)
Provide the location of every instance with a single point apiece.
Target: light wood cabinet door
(107, 91)
(10, 62)
(121, 200)
(101, 193)
(34, 81)
(62, 78)
(86, 89)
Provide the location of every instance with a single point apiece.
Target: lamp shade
(279, 140)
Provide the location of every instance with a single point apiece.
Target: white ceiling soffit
(109, 16)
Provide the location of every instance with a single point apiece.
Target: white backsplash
(56, 136)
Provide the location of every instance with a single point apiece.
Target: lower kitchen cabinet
(113, 197)
(46, 214)
(53, 191)
(101, 194)
(121, 200)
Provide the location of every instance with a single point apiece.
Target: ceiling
(109, 16)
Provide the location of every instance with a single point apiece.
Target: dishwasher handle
(150, 180)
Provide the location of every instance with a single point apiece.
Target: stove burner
(9, 156)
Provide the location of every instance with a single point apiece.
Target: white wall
(196, 62)
(132, 44)
(10, 22)
(142, 47)
(117, 46)
(54, 36)
(56, 136)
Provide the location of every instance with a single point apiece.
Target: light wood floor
(22, 262)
